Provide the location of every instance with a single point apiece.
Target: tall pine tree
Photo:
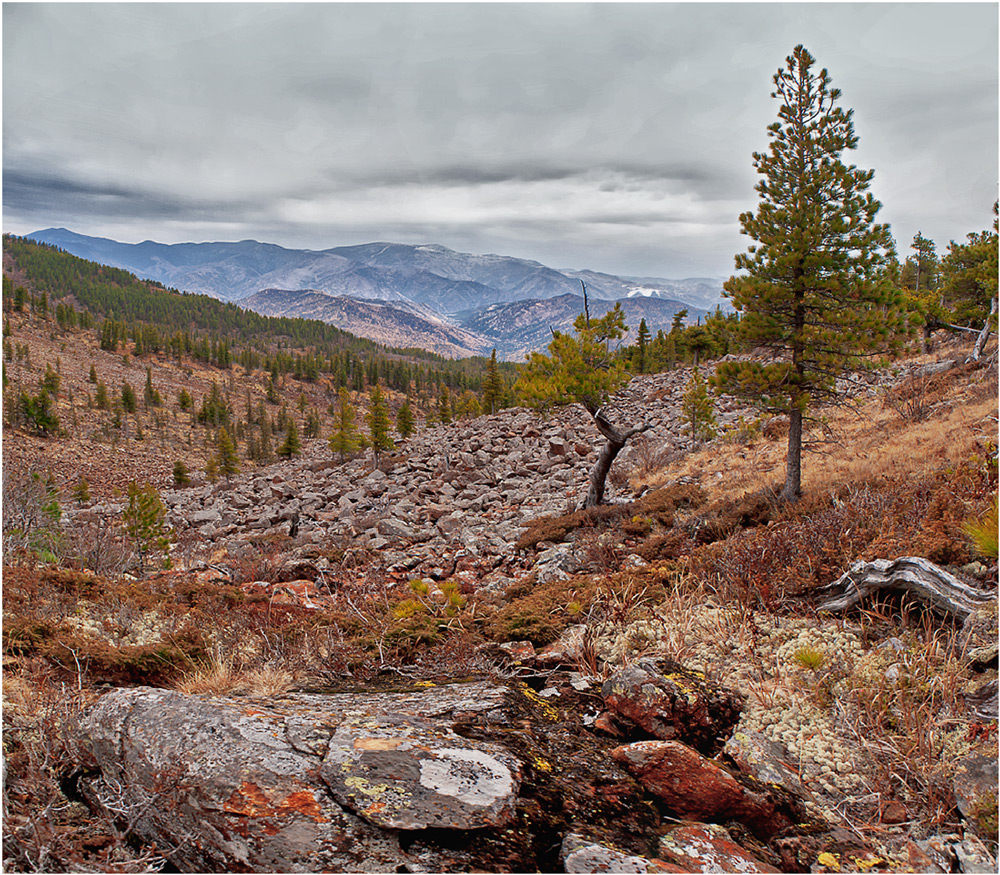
(815, 290)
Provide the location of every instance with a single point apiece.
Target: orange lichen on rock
(249, 800)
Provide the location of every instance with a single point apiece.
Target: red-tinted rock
(697, 787)
(677, 705)
(687, 782)
(702, 847)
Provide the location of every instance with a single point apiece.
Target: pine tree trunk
(599, 473)
(793, 472)
(614, 443)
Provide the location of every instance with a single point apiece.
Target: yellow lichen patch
(685, 686)
(425, 684)
(829, 861)
(548, 712)
(863, 865)
(377, 743)
(541, 765)
(364, 786)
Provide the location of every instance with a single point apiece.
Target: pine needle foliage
(145, 522)
(580, 368)
(404, 420)
(346, 439)
(697, 409)
(378, 422)
(816, 289)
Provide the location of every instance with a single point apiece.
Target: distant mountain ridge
(440, 282)
(398, 324)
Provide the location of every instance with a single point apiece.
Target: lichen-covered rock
(407, 773)
(233, 784)
(975, 786)
(704, 847)
(676, 705)
(966, 853)
(580, 854)
(766, 761)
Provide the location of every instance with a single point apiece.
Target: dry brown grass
(859, 444)
(222, 677)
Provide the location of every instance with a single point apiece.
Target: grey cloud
(217, 114)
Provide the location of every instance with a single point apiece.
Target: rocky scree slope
(452, 503)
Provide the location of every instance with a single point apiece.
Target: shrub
(31, 515)
(37, 412)
(982, 531)
(145, 522)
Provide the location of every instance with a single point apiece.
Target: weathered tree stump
(919, 577)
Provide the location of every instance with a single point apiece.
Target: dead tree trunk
(614, 443)
(984, 335)
(919, 577)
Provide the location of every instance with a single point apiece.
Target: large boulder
(300, 782)
(699, 788)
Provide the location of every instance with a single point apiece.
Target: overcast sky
(607, 136)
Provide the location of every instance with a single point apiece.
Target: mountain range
(429, 296)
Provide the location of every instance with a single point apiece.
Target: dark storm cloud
(28, 191)
(612, 136)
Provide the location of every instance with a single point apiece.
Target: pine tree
(378, 422)
(93, 374)
(145, 522)
(81, 491)
(291, 445)
(101, 397)
(212, 469)
(128, 398)
(150, 395)
(492, 385)
(346, 439)
(816, 290)
(444, 406)
(404, 420)
(229, 461)
(697, 409)
(311, 427)
(266, 437)
(642, 342)
(583, 370)
(181, 477)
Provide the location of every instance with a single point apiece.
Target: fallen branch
(919, 577)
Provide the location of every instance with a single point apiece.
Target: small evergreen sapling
(697, 409)
(229, 461)
(291, 445)
(346, 439)
(145, 523)
(404, 420)
(378, 423)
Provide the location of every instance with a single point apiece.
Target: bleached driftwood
(920, 577)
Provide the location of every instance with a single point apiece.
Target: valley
(448, 302)
(453, 591)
